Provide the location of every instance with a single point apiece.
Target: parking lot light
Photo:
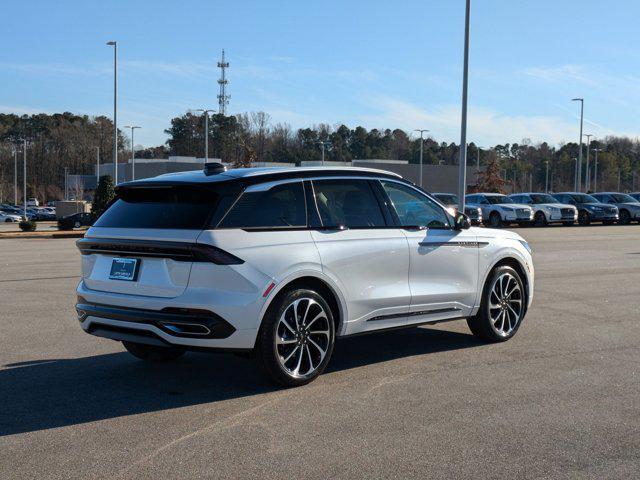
(115, 109)
(579, 169)
(133, 152)
(462, 176)
(421, 145)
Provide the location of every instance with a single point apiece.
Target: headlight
(526, 246)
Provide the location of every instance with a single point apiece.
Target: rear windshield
(179, 207)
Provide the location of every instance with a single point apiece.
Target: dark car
(635, 195)
(589, 209)
(628, 207)
(450, 201)
(76, 220)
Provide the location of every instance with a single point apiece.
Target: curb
(71, 234)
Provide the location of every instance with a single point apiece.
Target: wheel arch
(516, 264)
(313, 281)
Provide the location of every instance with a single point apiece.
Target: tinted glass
(281, 206)
(582, 198)
(498, 199)
(447, 198)
(350, 203)
(413, 208)
(160, 207)
(623, 198)
(543, 198)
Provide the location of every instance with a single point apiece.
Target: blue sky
(377, 63)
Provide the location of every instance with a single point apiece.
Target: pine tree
(104, 194)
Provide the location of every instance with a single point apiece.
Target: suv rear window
(173, 207)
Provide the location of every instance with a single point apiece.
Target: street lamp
(595, 170)
(586, 173)
(322, 144)
(546, 178)
(24, 177)
(575, 175)
(462, 176)
(133, 152)
(115, 109)
(422, 131)
(15, 175)
(578, 183)
(206, 131)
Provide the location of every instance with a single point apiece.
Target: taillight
(215, 255)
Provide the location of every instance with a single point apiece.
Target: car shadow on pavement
(50, 393)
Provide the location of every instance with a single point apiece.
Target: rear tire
(153, 353)
(503, 306)
(296, 339)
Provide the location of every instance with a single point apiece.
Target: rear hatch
(143, 244)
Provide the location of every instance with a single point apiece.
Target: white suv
(279, 262)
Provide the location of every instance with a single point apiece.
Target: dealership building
(435, 178)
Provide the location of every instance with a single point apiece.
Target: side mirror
(462, 222)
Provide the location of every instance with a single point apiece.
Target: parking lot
(562, 399)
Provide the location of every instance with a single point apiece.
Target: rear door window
(281, 206)
(348, 203)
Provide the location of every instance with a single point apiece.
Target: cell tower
(223, 98)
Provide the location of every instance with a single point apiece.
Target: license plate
(124, 269)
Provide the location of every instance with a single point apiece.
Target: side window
(350, 203)
(483, 200)
(280, 206)
(517, 199)
(413, 208)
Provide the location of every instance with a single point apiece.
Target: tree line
(66, 140)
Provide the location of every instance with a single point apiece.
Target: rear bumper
(182, 323)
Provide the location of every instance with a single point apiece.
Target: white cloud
(485, 126)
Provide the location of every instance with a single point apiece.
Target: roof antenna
(213, 168)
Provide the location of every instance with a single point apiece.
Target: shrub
(27, 225)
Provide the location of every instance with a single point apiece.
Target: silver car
(628, 207)
(547, 209)
(499, 210)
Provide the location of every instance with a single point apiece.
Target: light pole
(322, 144)
(206, 131)
(66, 183)
(595, 170)
(24, 176)
(586, 173)
(97, 166)
(115, 109)
(462, 176)
(133, 152)
(575, 175)
(546, 178)
(422, 131)
(578, 183)
(15, 175)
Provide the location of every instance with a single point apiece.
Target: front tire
(625, 217)
(296, 338)
(153, 353)
(540, 219)
(495, 220)
(503, 306)
(584, 218)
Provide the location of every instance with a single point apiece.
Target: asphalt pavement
(560, 400)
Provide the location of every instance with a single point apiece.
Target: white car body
(9, 217)
(554, 212)
(380, 277)
(509, 212)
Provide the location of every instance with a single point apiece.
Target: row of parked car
(12, 213)
(496, 210)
